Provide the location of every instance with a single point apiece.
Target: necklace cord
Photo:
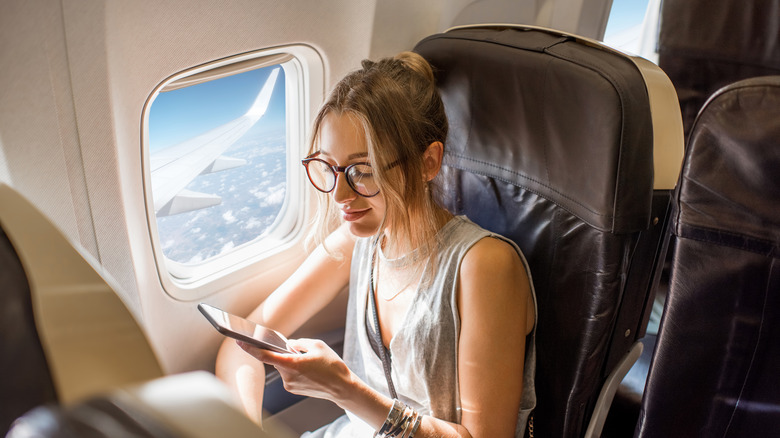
(384, 353)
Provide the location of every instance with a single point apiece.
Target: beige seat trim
(197, 405)
(91, 341)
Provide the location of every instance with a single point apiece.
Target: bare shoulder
(493, 280)
(491, 256)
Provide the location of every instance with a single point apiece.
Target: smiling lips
(353, 215)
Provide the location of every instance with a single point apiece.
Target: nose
(343, 193)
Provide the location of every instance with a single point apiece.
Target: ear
(432, 158)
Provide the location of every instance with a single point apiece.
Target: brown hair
(396, 101)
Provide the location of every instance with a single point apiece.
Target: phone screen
(239, 328)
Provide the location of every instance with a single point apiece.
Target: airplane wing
(173, 168)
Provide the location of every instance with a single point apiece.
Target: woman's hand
(317, 372)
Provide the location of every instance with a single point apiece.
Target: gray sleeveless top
(424, 350)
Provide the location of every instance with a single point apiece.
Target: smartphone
(242, 329)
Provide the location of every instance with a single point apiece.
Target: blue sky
(624, 14)
(181, 114)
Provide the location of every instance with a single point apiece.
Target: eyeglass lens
(359, 176)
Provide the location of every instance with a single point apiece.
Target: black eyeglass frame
(336, 171)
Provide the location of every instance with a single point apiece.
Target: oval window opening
(218, 154)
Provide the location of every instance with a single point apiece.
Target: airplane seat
(714, 370)
(552, 144)
(90, 340)
(703, 48)
(25, 381)
(97, 417)
(74, 358)
(191, 405)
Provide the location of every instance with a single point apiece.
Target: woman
(440, 310)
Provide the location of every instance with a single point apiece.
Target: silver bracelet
(394, 418)
(416, 426)
(400, 429)
(402, 422)
(409, 425)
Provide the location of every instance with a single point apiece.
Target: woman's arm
(496, 314)
(313, 285)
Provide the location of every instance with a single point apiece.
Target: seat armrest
(196, 405)
(609, 389)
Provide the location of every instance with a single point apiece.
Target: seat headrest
(569, 127)
(742, 32)
(730, 187)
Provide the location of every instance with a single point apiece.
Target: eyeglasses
(360, 176)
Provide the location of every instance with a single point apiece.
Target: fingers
(305, 345)
(319, 372)
(311, 348)
(263, 355)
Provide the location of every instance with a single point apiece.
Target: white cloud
(274, 196)
(228, 246)
(197, 258)
(253, 223)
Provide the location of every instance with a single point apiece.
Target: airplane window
(241, 188)
(632, 27)
(221, 146)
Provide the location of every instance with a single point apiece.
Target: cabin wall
(37, 121)
(74, 78)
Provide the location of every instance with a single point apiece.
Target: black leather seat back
(703, 48)
(551, 145)
(715, 368)
(97, 417)
(25, 380)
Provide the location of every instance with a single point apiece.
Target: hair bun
(415, 62)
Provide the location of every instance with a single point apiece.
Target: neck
(395, 244)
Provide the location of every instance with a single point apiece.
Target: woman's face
(342, 142)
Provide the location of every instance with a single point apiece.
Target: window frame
(303, 70)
